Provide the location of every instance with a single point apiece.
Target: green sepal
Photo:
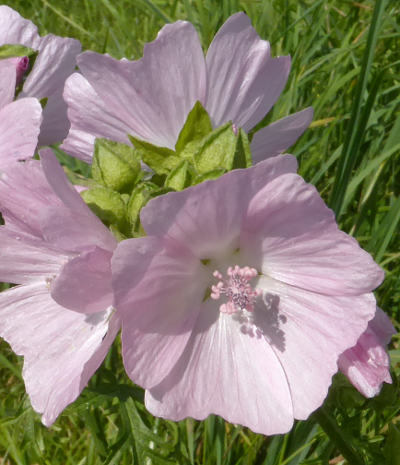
(79, 179)
(117, 233)
(197, 125)
(180, 177)
(115, 165)
(217, 150)
(158, 180)
(210, 175)
(107, 205)
(160, 159)
(223, 149)
(242, 157)
(137, 200)
(43, 102)
(17, 50)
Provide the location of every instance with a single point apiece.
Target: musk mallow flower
(150, 98)
(19, 120)
(367, 364)
(241, 298)
(56, 60)
(56, 250)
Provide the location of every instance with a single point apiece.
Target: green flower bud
(115, 165)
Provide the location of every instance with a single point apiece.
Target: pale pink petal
(90, 118)
(22, 207)
(291, 235)
(208, 217)
(62, 349)
(14, 29)
(73, 232)
(312, 331)
(158, 287)
(243, 80)
(367, 364)
(47, 206)
(280, 135)
(57, 180)
(154, 94)
(226, 372)
(55, 62)
(19, 130)
(78, 227)
(8, 76)
(55, 124)
(25, 259)
(84, 283)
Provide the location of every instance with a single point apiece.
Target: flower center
(241, 295)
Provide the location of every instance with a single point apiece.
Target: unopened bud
(21, 66)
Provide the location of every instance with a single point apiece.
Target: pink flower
(367, 364)
(55, 62)
(241, 298)
(150, 98)
(19, 121)
(50, 240)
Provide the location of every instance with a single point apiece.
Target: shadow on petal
(266, 321)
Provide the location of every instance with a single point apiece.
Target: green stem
(332, 430)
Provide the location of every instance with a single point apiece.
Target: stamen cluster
(240, 293)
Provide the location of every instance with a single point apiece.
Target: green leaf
(197, 125)
(107, 205)
(217, 150)
(160, 159)
(180, 177)
(115, 165)
(384, 233)
(392, 446)
(359, 114)
(17, 50)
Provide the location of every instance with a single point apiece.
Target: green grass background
(346, 64)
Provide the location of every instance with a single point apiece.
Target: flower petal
(243, 87)
(62, 349)
(154, 94)
(8, 76)
(55, 124)
(226, 372)
(280, 135)
(208, 217)
(291, 235)
(158, 288)
(313, 329)
(84, 283)
(57, 180)
(75, 227)
(367, 364)
(25, 259)
(90, 118)
(19, 130)
(14, 29)
(55, 62)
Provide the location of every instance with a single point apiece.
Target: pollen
(237, 288)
